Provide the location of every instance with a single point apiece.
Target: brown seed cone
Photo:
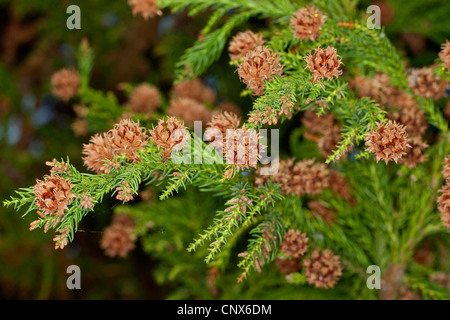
(286, 266)
(309, 177)
(446, 169)
(189, 110)
(147, 8)
(243, 147)
(378, 88)
(323, 269)
(216, 130)
(307, 23)
(324, 63)
(316, 126)
(223, 121)
(194, 89)
(99, 154)
(53, 194)
(424, 83)
(388, 142)
(117, 239)
(65, 83)
(304, 177)
(62, 240)
(259, 65)
(444, 55)
(169, 135)
(444, 206)
(326, 213)
(412, 118)
(145, 99)
(244, 42)
(127, 137)
(415, 154)
(294, 244)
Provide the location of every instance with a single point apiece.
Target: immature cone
(65, 83)
(444, 206)
(388, 142)
(444, 55)
(324, 63)
(118, 239)
(57, 168)
(127, 137)
(99, 154)
(169, 135)
(244, 42)
(194, 89)
(323, 269)
(415, 154)
(124, 192)
(53, 194)
(189, 110)
(86, 202)
(294, 244)
(259, 65)
(307, 23)
(147, 8)
(424, 83)
(145, 99)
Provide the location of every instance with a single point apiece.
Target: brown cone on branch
(307, 23)
(294, 244)
(243, 42)
(324, 63)
(388, 141)
(257, 66)
(323, 269)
